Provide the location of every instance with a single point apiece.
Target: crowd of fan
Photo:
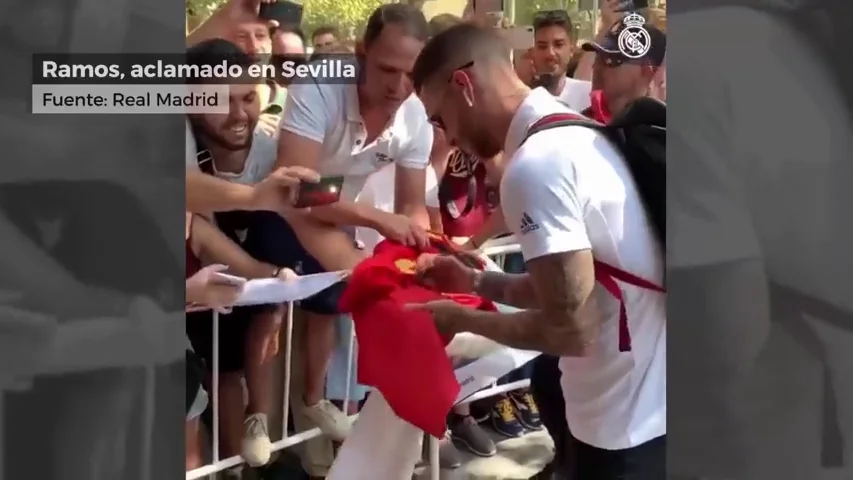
(268, 140)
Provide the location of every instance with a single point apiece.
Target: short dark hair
(294, 29)
(326, 30)
(407, 16)
(442, 22)
(459, 45)
(214, 52)
(330, 52)
(553, 18)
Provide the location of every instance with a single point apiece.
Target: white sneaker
(331, 421)
(256, 440)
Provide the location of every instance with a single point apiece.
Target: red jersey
(400, 352)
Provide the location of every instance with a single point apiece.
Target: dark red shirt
(598, 109)
(464, 173)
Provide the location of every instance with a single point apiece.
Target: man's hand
(268, 123)
(447, 314)
(445, 273)
(222, 20)
(469, 246)
(204, 288)
(277, 192)
(612, 11)
(403, 229)
(287, 275)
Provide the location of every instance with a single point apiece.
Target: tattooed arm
(514, 289)
(558, 286)
(547, 216)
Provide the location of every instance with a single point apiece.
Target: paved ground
(517, 459)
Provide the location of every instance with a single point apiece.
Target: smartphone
(520, 38)
(283, 11)
(324, 192)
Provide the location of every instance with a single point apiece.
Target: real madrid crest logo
(406, 266)
(634, 40)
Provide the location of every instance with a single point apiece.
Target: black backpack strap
(203, 155)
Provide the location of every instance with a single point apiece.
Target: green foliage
(201, 8)
(350, 16)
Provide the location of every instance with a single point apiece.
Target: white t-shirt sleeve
(306, 111)
(416, 150)
(546, 213)
(576, 94)
(431, 188)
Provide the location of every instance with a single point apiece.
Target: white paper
(273, 290)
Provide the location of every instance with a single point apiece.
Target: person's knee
(262, 338)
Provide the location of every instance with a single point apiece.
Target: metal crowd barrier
(496, 250)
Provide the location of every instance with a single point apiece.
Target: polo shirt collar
(353, 112)
(527, 114)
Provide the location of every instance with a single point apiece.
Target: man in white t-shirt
(573, 200)
(554, 44)
(354, 130)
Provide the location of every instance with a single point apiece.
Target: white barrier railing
(497, 249)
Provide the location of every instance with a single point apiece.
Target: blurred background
(350, 15)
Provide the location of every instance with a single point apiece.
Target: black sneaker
(504, 420)
(468, 433)
(526, 409)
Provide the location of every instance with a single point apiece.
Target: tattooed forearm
(533, 330)
(510, 289)
(565, 322)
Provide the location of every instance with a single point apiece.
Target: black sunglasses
(435, 120)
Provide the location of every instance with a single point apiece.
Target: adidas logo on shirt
(527, 224)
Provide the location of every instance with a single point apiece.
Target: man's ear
(360, 49)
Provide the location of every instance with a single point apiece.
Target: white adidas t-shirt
(578, 198)
(576, 94)
(259, 164)
(329, 114)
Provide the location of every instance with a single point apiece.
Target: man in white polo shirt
(569, 199)
(353, 131)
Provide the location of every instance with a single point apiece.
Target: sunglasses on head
(544, 16)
